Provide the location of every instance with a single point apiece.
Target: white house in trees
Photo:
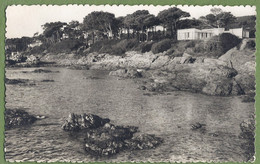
(197, 34)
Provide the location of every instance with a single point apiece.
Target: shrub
(215, 46)
(127, 44)
(38, 49)
(161, 46)
(65, 46)
(144, 47)
(113, 47)
(221, 44)
(191, 44)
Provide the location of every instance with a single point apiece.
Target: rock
(108, 140)
(196, 126)
(126, 73)
(102, 138)
(17, 117)
(47, 80)
(248, 125)
(143, 141)
(160, 62)
(32, 60)
(211, 79)
(236, 58)
(199, 60)
(77, 122)
(16, 81)
(248, 134)
(185, 59)
(250, 97)
(41, 71)
(20, 82)
(246, 77)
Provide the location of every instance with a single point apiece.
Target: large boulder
(108, 140)
(17, 117)
(246, 77)
(212, 79)
(236, 58)
(32, 60)
(77, 122)
(102, 138)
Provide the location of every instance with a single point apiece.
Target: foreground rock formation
(103, 138)
(17, 117)
(248, 133)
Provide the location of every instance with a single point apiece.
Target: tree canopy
(219, 18)
(100, 21)
(170, 17)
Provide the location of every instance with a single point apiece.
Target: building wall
(236, 31)
(193, 34)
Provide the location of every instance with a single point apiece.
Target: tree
(72, 30)
(170, 17)
(219, 18)
(225, 18)
(120, 25)
(215, 11)
(99, 21)
(189, 23)
(149, 21)
(53, 31)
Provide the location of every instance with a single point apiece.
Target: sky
(27, 20)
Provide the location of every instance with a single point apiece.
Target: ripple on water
(169, 116)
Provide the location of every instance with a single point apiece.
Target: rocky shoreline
(231, 74)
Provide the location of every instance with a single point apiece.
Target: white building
(196, 34)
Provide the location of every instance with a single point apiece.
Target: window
(188, 34)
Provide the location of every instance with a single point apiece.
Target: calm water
(87, 91)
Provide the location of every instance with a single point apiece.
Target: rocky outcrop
(248, 134)
(230, 74)
(16, 81)
(20, 82)
(209, 78)
(77, 122)
(248, 127)
(246, 77)
(103, 138)
(126, 73)
(17, 117)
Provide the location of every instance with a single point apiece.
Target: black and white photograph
(121, 83)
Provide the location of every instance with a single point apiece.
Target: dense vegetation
(104, 33)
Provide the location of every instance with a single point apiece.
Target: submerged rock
(41, 71)
(47, 80)
(103, 139)
(21, 82)
(84, 121)
(17, 117)
(16, 81)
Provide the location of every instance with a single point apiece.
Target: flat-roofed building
(197, 34)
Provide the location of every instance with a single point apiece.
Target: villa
(197, 34)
